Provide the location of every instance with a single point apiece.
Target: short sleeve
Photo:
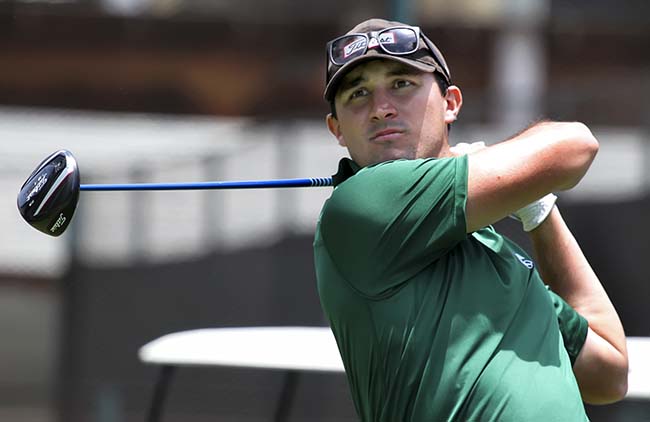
(389, 221)
(573, 326)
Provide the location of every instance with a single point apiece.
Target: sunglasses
(396, 41)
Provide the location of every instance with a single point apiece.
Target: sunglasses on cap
(395, 41)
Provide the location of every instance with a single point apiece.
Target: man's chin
(387, 155)
(397, 155)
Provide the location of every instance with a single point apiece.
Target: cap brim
(332, 85)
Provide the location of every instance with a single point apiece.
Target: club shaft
(240, 184)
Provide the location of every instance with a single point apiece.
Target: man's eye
(358, 93)
(402, 83)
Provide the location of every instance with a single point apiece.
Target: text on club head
(38, 185)
(59, 222)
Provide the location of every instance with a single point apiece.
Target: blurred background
(193, 90)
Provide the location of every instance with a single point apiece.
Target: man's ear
(335, 129)
(454, 101)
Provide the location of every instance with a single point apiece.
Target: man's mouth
(386, 135)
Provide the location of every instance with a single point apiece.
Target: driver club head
(48, 198)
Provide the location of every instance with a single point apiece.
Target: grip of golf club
(240, 184)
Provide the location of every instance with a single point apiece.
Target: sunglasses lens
(392, 40)
(399, 40)
(346, 48)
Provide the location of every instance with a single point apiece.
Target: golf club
(48, 198)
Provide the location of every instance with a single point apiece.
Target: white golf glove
(533, 214)
(463, 148)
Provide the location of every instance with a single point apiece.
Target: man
(438, 317)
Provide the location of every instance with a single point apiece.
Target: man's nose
(383, 107)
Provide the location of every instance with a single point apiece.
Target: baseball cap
(426, 58)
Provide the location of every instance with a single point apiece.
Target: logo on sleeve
(527, 262)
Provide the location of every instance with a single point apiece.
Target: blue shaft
(243, 184)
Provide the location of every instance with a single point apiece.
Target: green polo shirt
(434, 324)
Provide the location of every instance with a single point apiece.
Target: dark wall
(111, 313)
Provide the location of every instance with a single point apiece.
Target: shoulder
(392, 179)
(399, 193)
(389, 221)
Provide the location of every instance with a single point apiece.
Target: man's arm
(602, 365)
(505, 177)
(547, 157)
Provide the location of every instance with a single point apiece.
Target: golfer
(437, 316)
